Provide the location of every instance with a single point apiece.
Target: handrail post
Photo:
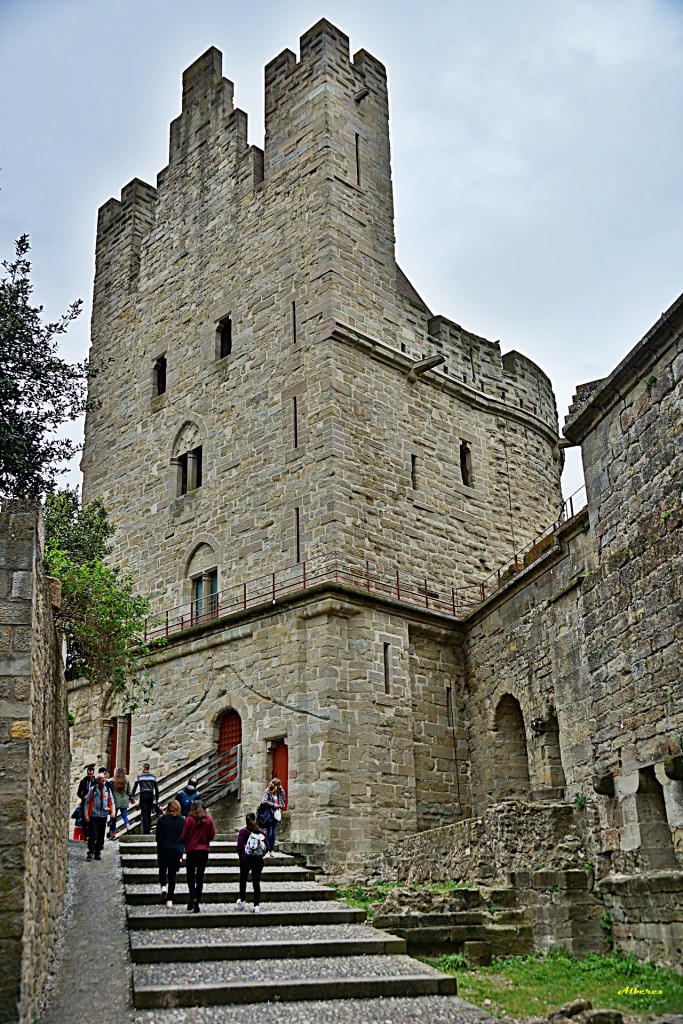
(167, 624)
(303, 573)
(244, 594)
(571, 507)
(398, 584)
(367, 575)
(482, 587)
(453, 599)
(426, 594)
(273, 588)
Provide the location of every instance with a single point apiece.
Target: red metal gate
(281, 766)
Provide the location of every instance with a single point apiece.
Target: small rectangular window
(294, 322)
(413, 471)
(224, 338)
(297, 534)
(450, 712)
(295, 416)
(466, 464)
(190, 475)
(387, 668)
(160, 376)
(357, 159)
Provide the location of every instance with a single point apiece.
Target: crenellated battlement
(207, 105)
(138, 202)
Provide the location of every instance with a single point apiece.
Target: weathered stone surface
(34, 767)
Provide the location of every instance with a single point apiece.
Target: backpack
(255, 845)
(186, 800)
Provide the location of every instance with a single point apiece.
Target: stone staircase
(303, 945)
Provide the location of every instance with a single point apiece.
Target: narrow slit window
(160, 376)
(295, 419)
(297, 534)
(357, 159)
(450, 712)
(466, 464)
(294, 322)
(413, 471)
(224, 332)
(387, 668)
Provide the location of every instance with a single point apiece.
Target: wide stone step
(141, 876)
(131, 838)
(195, 944)
(223, 860)
(148, 847)
(225, 915)
(271, 892)
(248, 981)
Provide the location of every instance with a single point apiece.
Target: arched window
(187, 459)
(202, 571)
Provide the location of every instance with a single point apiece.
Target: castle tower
(261, 404)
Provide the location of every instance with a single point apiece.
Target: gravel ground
(394, 1010)
(316, 906)
(224, 971)
(289, 933)
(94, 926)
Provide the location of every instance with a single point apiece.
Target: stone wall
(34, 764)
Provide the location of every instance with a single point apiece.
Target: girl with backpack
(198, 831)
(251, 850)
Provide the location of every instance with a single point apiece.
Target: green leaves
(101, 617)
(38, 390)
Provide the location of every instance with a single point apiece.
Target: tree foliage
(101, 617)
(39, 390)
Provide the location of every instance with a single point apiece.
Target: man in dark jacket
(84, 787)
(149, 795)
(187, 796)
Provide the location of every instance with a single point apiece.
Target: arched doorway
(510, 757)
(281, 766)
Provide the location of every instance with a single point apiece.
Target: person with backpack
(252, 847)
(269, 814)
(187, 796)
(198, 831)
(169, 834)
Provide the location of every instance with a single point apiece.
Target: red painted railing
(359, 574)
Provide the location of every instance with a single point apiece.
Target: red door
(281, 766)
(229, 736)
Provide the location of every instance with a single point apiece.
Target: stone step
(132, 846)
(283, 892)
(237, 982)
(140, 876)
(199, 944)
(149, 860)
(224, 915)
(129, 838)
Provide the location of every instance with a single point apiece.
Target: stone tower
(264, 402)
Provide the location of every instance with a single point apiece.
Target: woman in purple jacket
(251, 850)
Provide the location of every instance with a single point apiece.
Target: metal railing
(360, 574)
(216, 774)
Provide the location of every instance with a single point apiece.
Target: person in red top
(198, 831)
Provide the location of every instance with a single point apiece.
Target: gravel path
(219, 936)
(394, 1010)
(225, 971)
(95, 926)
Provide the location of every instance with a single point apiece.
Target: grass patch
(367, 897)
(534, 986)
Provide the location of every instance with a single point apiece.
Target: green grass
(367, 897)
(534, 986)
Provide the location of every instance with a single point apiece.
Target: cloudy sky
(537, 149)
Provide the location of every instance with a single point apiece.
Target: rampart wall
(34, 765)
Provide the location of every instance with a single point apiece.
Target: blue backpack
(186, 800)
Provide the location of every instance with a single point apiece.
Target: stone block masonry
(34, 765)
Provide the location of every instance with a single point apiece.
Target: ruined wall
(34, 764)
